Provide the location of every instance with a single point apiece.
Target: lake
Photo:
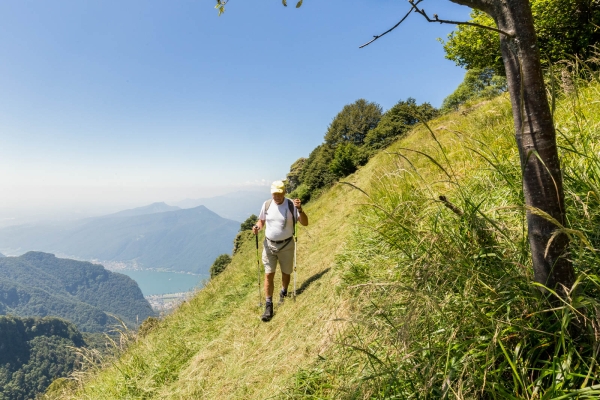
(155, 282)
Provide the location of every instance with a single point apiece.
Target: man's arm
(303, 218)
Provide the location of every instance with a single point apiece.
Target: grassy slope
(214, 346)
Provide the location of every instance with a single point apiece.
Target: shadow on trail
(310, 280)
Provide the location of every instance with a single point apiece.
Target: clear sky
(106, 102)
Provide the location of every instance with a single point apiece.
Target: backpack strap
(291, 208)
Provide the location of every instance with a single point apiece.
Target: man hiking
(279, 215)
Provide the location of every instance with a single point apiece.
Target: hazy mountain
(39, 284)
(150, 209)
(17, 239)
(181, 240)
(2, 255)
(237, 206)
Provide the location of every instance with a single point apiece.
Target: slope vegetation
(414, 281)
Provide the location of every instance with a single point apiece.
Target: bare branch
(392, 28)
(445, 21)
(421, 11)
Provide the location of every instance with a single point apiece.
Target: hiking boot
(282, 295)
(268, 312)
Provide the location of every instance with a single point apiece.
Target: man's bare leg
(269, 297)
(269, 284)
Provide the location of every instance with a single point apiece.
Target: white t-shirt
(280, 224)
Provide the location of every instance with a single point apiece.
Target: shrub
(221, 262)
(302, 192)
(248, 223)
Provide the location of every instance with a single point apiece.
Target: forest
(33, 353)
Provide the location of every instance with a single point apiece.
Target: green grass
(402, 297)
(445, 305)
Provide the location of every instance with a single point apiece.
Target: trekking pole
(295, 248)
(258, 269)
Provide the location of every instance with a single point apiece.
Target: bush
(478, 84)
(397, 121)
(302, 192)
(346, 159)
(248, 223)
(316, 173)
(221, 262)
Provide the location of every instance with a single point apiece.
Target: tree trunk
(536, 139)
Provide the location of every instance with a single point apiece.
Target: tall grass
(439, 268)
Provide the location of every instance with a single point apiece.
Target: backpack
(290, 207)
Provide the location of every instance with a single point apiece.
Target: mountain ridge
(237, 206)
(179, 240)
(153, 208)
(40, 284)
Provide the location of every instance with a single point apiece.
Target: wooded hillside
(39, 284)
(34, 352)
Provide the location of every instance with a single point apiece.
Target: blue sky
(130, 102)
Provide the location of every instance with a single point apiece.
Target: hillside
(39, 284)
(414, 281)
(180, 240)
(35, 351)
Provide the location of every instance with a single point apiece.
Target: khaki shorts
(282, 252)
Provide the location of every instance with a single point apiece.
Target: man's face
(278, 197)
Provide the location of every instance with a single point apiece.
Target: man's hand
(298, 204)
(255, 229)
(302, 218)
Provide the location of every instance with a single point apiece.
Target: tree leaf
(284, 3)
(299, 4)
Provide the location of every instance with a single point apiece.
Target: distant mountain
(35, 351)
(237, 206)
(150, 209)
(39, 284)
(181, 240)
(2, 255)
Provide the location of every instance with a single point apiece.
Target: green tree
(563, 28)
(478, 84)
(397, 121)
(316, 173)
(353, 123)
(347, 158)
(221, 262)
(248, 223)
